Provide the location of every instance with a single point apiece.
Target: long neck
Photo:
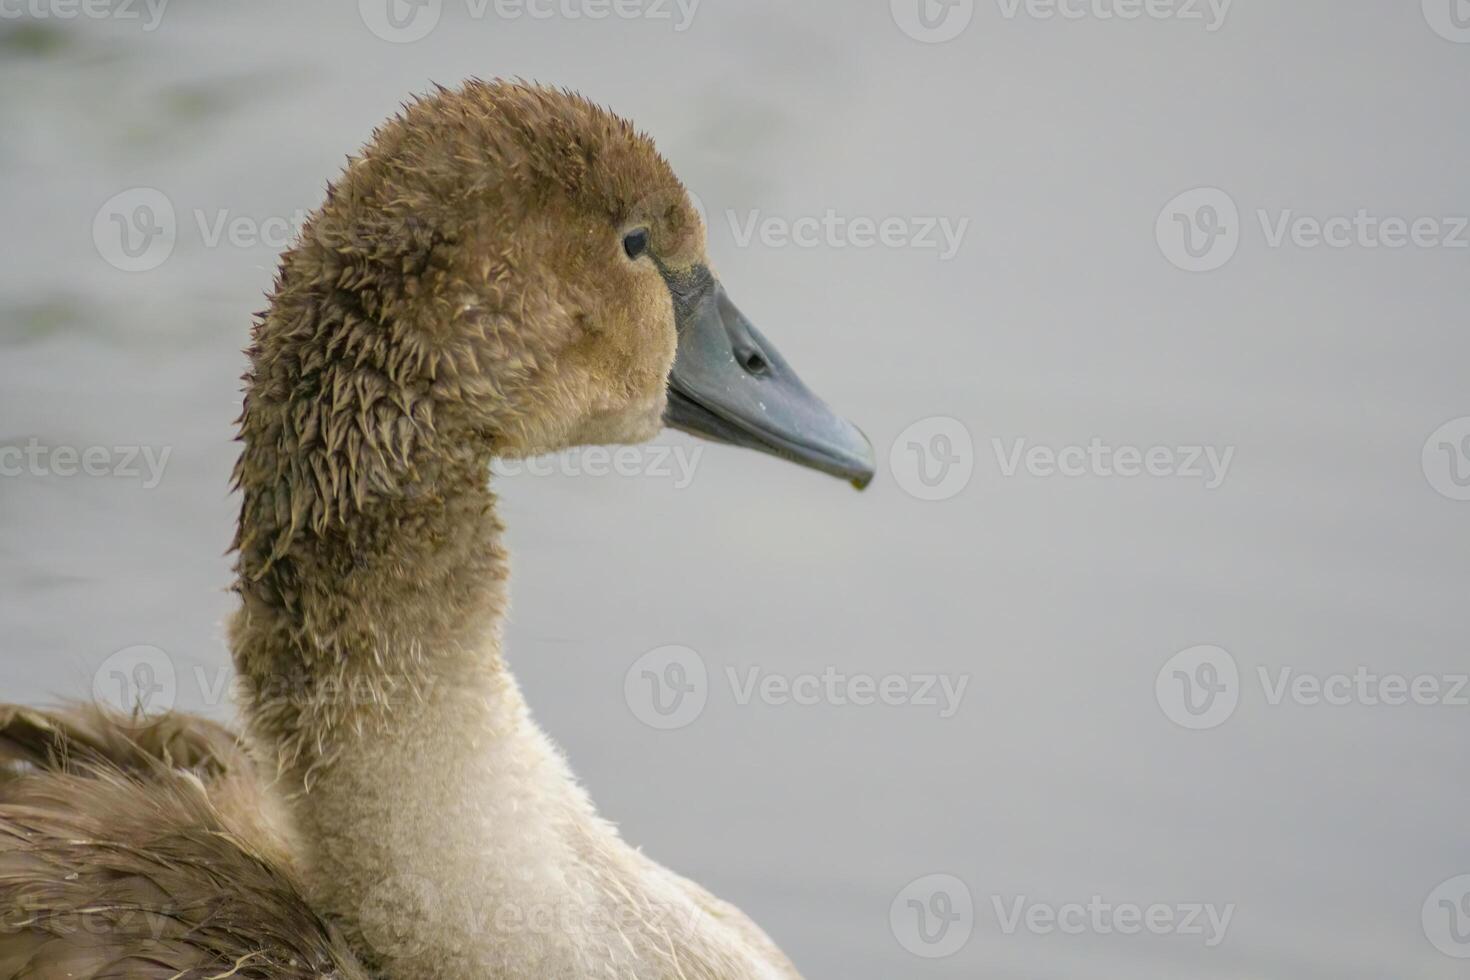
(433, 820)
(369, 558)
(368, 648)
(372, 581)
(345, 626)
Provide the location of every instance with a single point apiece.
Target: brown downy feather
(89, 733)
(462, 295)
(450, 301)
(120, 858)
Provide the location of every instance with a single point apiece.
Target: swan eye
(635, 242)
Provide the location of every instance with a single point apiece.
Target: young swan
(506, 270)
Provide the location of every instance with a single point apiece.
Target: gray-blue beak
(731, 385)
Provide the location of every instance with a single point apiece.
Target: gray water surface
(1326, 548)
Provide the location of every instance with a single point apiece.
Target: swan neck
(367, 614)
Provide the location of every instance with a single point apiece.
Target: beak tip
(711, 393)
(867, 466)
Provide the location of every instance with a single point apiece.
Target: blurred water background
(1326, 548)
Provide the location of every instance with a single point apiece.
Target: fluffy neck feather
(373, 583)
(369, 561)
(435, 821)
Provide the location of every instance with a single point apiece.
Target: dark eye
(635, 242)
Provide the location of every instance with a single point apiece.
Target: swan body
(506, 270)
